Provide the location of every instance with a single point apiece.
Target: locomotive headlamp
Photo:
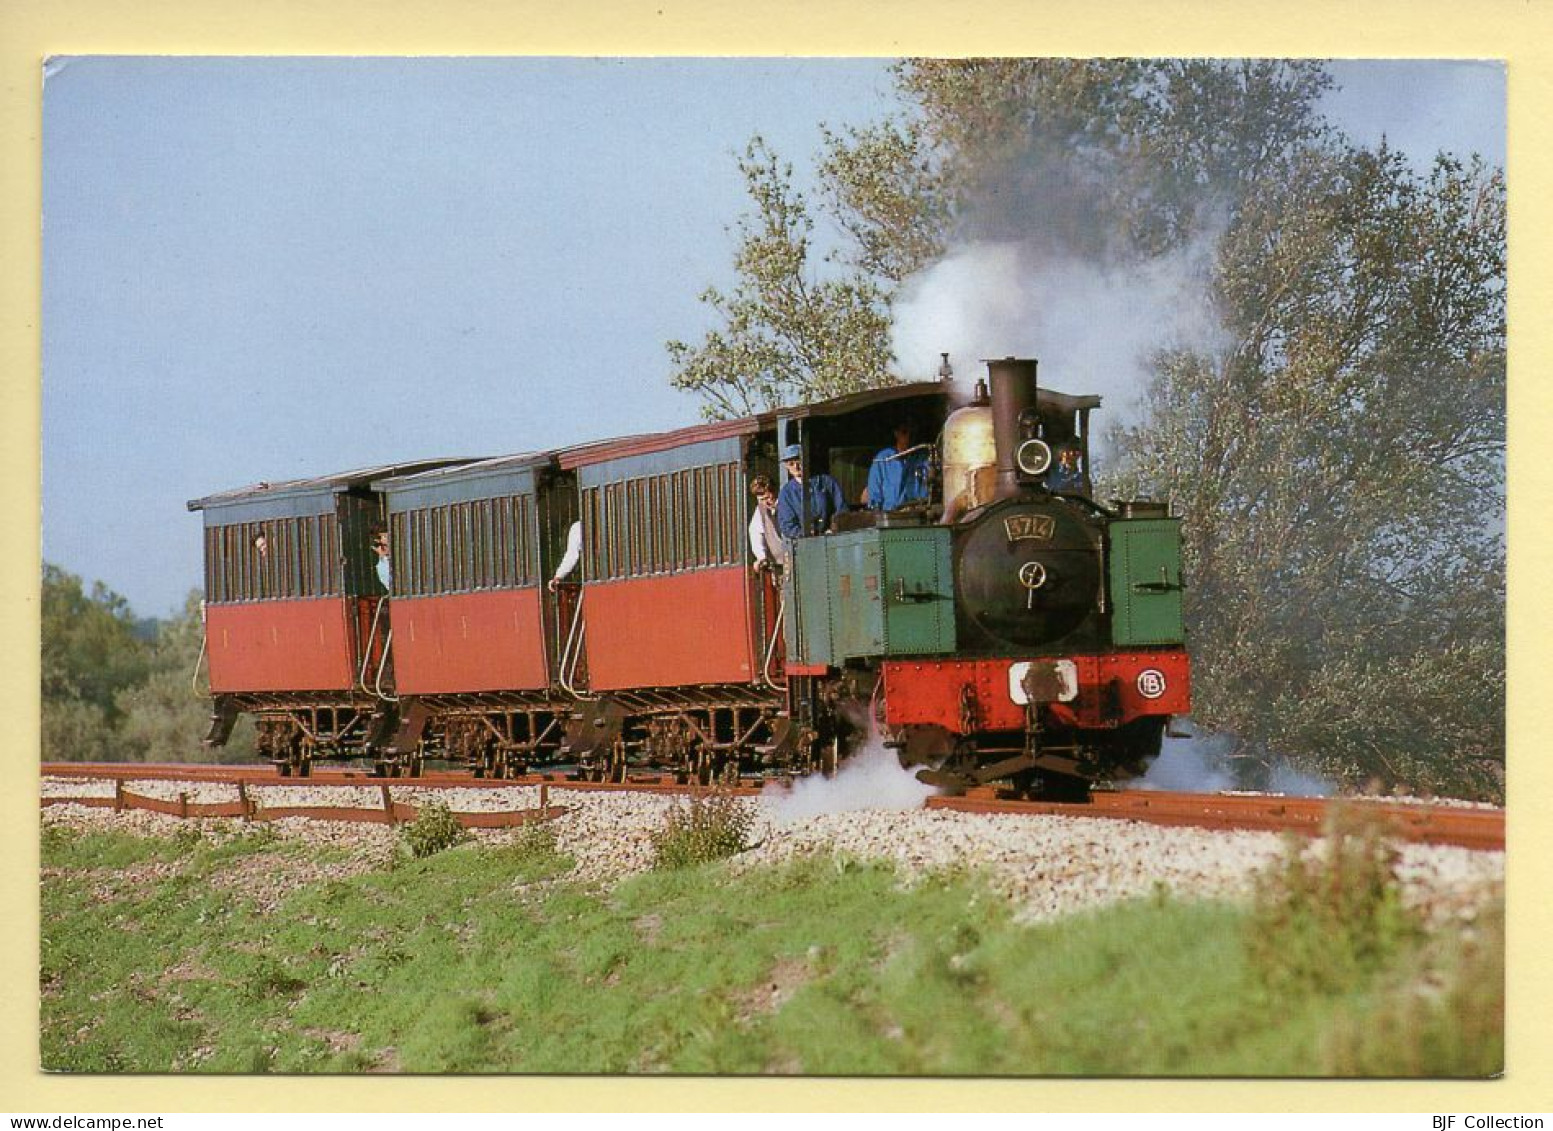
(1033, 457)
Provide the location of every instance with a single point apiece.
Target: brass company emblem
(1029, 527)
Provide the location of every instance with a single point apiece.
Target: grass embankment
(487, 959)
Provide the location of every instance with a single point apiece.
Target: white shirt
(762, 532)
(573, 551)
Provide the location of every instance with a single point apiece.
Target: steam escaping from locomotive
(871, 778)
(1202, 764)
(1100, 324)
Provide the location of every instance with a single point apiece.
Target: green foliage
(90, 654)
(1326, 924)
(1340, 467)
(434, 829)
(535, 845)
(788, 335)
(457, 962)
(74, 731)
(883, 187)
(702, 830)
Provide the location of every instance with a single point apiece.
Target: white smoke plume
(1202, 764)
(1189, 765)
(871, 778)
(1093, 325)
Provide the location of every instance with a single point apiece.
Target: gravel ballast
(1048, 866)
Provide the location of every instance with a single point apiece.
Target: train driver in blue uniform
(894, 478)
(824, 496)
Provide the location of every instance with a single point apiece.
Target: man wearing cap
(823, 493)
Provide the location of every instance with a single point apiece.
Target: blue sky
(262, 269)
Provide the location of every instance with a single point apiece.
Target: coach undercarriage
(293, 731)
(702, 735)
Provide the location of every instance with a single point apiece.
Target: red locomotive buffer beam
(1111, 690)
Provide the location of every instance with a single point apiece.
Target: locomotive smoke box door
(1145, 569)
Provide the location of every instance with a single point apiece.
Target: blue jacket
(825, 503)
(895, 482)
(1061, 479)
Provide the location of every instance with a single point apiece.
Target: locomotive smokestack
(1013, 407)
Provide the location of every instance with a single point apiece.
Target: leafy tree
(76, 731)
(788, 335)
(1340, 468)
(884, 188)
(90, 654)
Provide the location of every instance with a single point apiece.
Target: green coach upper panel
(293, 497)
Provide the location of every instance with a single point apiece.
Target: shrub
(535, 844)
(1443, 1018)
(433, 829)
(702, 830)
(1326, 918)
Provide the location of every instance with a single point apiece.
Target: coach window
(478, 512)
(654, 526)
(280, 553)
(518, 545)
(684, 522)
(501, 535)
(471, 547)
(420, 527)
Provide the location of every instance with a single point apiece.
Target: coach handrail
(194, 681)
(776, 634)
(571, 654)
(377, 684)
(366, 649)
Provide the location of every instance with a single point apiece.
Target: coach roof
(338, 483)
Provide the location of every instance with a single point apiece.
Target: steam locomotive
(1002, 629)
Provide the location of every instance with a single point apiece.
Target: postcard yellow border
(1518, 31)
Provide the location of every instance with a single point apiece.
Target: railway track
(1475, 828)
